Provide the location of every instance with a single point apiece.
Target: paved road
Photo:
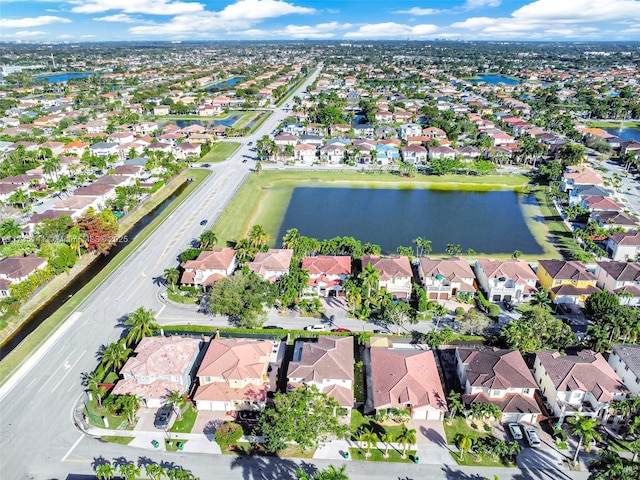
(36, 430)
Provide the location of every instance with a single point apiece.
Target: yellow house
(566, 281)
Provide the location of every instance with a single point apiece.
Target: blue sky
(98, 20)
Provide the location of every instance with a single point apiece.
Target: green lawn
(377, 455)
(185, 424)
(176, 297)
(561, 233)
(360, 422)
(118, 440)
(245, 448)
(172, 445)
(613, 123)
(471, 460)
(460, 426)
(13, 360)
(96, 414)
(220, 152)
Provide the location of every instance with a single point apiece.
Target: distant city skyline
(348, 20)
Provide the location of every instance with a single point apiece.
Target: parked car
(315, 328)
(163, 417)
(340, 329)
(386, 331)
(516, 431)
(532, 436)
(272, 327)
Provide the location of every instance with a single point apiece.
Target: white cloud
(321, 30)
(242, 15)
(420, 11)
(260, 9)
(150, 7)
(28, 34)
(392, 30)
(32, 21)
(119, 17)
(579, 10)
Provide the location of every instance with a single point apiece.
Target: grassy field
(185, 424)
(359, 422)
(30, 344)
(264, 197)
(614, 123)
(471, 460)
(220, 152)
(245, 448)
(460, 426)
(377, 455)
(118, 440)
(558, 229)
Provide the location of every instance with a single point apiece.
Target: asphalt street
(37, 435)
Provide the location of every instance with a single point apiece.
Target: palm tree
(51, 165)
(105, 471)
(291, 239)
(19, 197)
(387, 438)
(77, 239)
(129, 470)
(453, 249)
(142, 323)
(207, 239)
(370, 277)
(370, 439)
(9, 230)
(92, 381)
(464, 443)
(155, 471)
(177, 401)
(541, 298)
(171, 275)
(129, 404)
(258, 237)
(455, 404)
(407, 436)
(115, 355)
(585, 429)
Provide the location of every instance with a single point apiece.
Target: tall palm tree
(92, 381)
(370, 278)
(105, 471)
(370, 439)
(407, 436)
(453, 249)
(51, 166)
(207, 239)
(387, 438)
(115, 355)
(155, 471)
(455, 404)
(129, 470)
(9, 230)
(19, 197)
(291, 238)
(142, 324)
(464, 443)
(585, 429)
(177, 401)
(258, 237)
(171, 275)
(77, 239)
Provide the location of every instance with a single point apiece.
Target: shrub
(228, 434)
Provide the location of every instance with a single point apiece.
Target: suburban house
(395, 274)
(500, 377)
(159, 367)
(410, 130)
(328, 365)
(233, 375)
(17, 269)
(442, 152)
(406, 379)
(333, 153)
(619, 277)
(625, 361)
(566, 281)
(326, 274)
(614, 219)
(623, 246)
(305, 153)
(577, 175)
(583, 383)
(446, 278)
(511, 280)
(272, 264)
(576, 195)
(210, 266)
(414, 154)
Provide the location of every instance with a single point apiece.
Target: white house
(625, 361)
(395, 274)
(618, 277)
(209, 267)
(623, 246)
(326, 274)
(511, 280)
(446, 278)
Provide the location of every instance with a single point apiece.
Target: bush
(228, 434)
(459, 311)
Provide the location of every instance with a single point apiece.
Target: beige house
(511, 280)
(159, 367)
(395, 273)
(272, 264)
(582, 384)
(621, 278)
(233, 375)
(446, 278)
(209, 267)
(328, 365)
(499, 377)
(326, 274)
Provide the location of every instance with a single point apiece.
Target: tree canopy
(537, 329)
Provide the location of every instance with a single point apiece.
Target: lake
(489, 222)
(63, 77)
(229, 121)
(625, 133)
(224, 84)
(493, 79)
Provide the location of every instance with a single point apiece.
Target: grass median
(34, 340)
(220, 152)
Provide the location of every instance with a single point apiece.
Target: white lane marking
(68, 371)
(161, 309)
(66, 455)
(64, 365)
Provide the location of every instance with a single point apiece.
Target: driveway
(429, 432)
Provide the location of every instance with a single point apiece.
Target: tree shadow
(120, 461)
(159, 281)
(544, 463)
(452, 474)
(270, 468)
(145, 461)
(97, 461)
(210, 428)
(434, 436)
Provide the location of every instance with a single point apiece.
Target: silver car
(516, 431)
(532, 436)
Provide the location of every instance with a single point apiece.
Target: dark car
(244, 160)
(508, 306)
(163, 417)
(203, 222)
(272, 327)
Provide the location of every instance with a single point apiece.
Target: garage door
(434, 415)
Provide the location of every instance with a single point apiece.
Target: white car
(315, 328)
(516, 431)
(532, 436)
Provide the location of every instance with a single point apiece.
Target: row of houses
(230, 375)
(511, 280)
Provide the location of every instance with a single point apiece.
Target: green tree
(105, 471)
(155, 471)
(258, 237)
(537, 329)
(228, 434)
(585, 428)
(329, 473)
(172, 275)
(455, 404)
(370, 439)
(387, 438)
(464, 443)
(92, 382)
(129, 470)
(178, 401)
(453, 249)
(406, 436)
(370, 278)
(9, 230)
(207, 239)
(114, 355)
(398, 314)
(305, 416)
(141, 323)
